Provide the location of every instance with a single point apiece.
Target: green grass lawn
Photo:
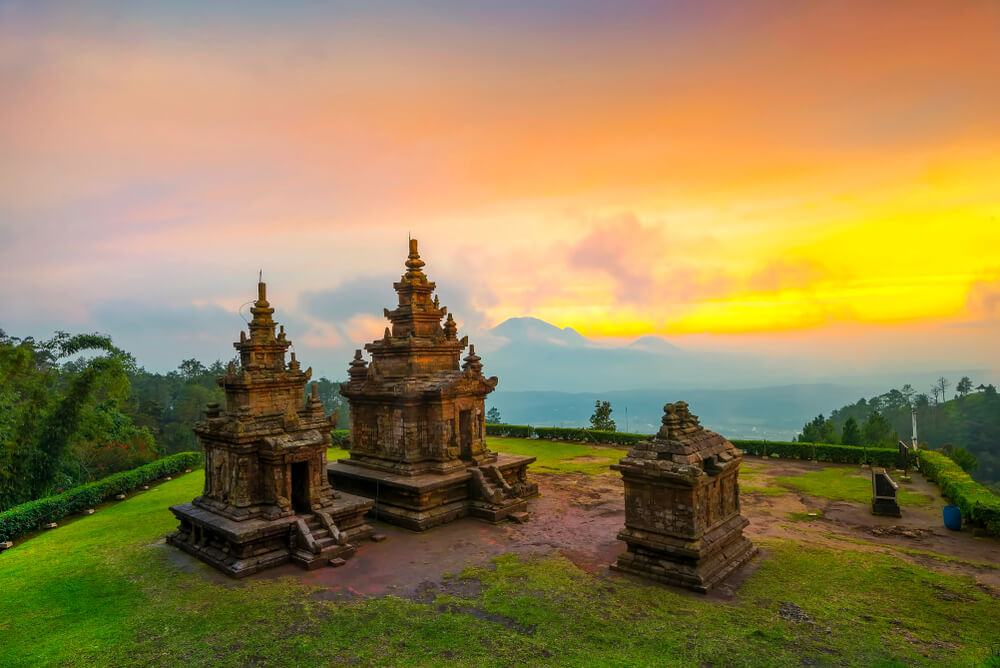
(105, 590)
(552, 456)
(846, 484)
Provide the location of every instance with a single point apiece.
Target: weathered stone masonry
(418, 421)
(682, 505)
(267, 499)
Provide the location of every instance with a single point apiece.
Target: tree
(493, 416)
(46, 402)
(964, 386)
(935, 391)
(942, 385)
(819, 430)
(877, 432)
(852, 434)
(601, 419)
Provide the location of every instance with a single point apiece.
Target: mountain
(533, 329)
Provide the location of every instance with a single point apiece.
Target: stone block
(337, 562)
(520, 517)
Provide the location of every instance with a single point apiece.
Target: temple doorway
(300, 487)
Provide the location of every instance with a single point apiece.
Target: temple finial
(413, 262)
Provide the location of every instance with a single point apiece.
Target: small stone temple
(418, 421)
(267, 499)
(682, 505)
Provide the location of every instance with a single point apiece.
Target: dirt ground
(579, 515)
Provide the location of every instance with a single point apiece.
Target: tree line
(76, 408)
(965, 426)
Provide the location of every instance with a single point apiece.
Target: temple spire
(414, 264)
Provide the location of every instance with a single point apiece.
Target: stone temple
(418, 422)
(682, 505)
(267, 499)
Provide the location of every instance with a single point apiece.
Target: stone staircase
(317, 540)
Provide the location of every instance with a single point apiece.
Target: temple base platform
(241, 548)
(418, 502)
(698, 565)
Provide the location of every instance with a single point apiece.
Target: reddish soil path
(579, 516)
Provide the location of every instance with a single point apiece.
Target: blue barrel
(952, 518)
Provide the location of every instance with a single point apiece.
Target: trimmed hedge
(564, 434)
(29, 516)
(510, 430)
(340, 437)
(979, 505)
(827, 452)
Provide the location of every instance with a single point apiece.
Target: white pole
(913, 417)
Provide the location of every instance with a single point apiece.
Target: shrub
(510, 430)
(342, 437)
(827, 452)
(564, 434)
(27, 517)
(978, 505)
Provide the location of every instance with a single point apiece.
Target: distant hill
(971, 421)
(774, 413)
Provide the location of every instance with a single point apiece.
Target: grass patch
(846, 484)
(946, 558)
(808, 516)
(105, 590)
(552, 456)
(763, 491)
(555, 456)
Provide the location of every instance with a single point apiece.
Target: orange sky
(791, 171)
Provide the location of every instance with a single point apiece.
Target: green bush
(826, 452)
(978, 505)
(510, 430)
(341, 437)
(564, 434)
(27, 517)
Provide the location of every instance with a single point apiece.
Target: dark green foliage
(877, 432)
(820, 430)
(564, 434)
(601, 419)
(978, 505)
(45, 404)
(170, 404)
(493, 415)
(340, 437)
(852, 434)
(29, 516)
(971, 421)
(824, 452)
(510, 430)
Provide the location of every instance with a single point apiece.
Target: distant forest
(967, 426)
(74, 409)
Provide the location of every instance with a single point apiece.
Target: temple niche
(418, 421)
(682, 505)
(267, 499)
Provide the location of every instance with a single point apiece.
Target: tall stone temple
(267, 499)
(682, 505)
(418, 421)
